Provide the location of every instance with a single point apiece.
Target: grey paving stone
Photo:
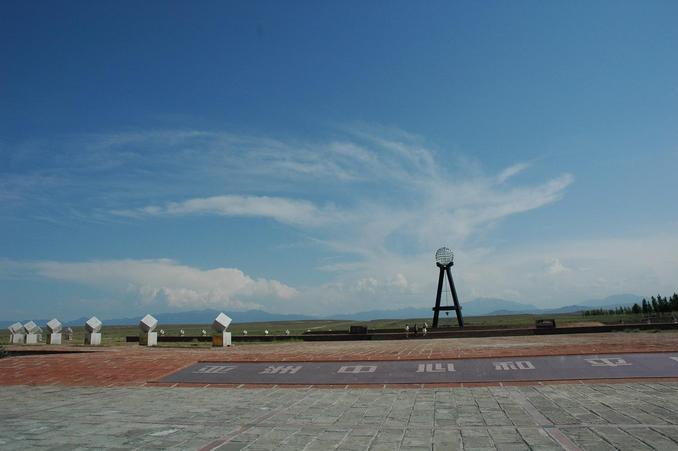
(653, 438)
(619, 439)
(621, 416)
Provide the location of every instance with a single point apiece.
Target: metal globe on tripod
(445, 260)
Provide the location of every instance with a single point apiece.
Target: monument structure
(147, 334)
(17, 334)
(32, 333)
(93, 331)
(221, 338)
(54, 328)
(444, 261)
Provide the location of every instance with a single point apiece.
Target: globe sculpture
(444, 256)
(444, 260)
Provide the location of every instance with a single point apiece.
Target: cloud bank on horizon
(371, 205)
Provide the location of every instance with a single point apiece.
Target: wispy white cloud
(511, 171)
(373, 186)
(288, 211)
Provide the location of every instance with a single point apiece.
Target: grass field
(115, 335)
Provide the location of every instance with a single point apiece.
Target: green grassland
(115, 335)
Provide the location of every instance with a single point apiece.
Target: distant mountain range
(476, 307)
(609, 302)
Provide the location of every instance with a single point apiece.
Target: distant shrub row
(654, 305)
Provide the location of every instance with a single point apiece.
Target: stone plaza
(543, 417)
(112, 398)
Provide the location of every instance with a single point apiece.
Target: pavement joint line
(646, 442)
(668, 437)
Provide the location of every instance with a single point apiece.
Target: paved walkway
(134, 365)
(589, 417)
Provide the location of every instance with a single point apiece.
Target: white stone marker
(221, 338)
(38, 332)
(54, 328)
(147, 334)
(17, 334)
(32, 332)
(93, 331)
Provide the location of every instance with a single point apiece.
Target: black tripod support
(445, 269)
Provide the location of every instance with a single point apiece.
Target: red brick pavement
(133, 365)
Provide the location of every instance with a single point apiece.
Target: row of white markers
(149, 337)
(31, 333)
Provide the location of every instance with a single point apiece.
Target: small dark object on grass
(545, 324)
(357, 330)
(3, 353)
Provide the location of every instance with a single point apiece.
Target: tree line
(654, 305)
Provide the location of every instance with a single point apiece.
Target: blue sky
(311, 156)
